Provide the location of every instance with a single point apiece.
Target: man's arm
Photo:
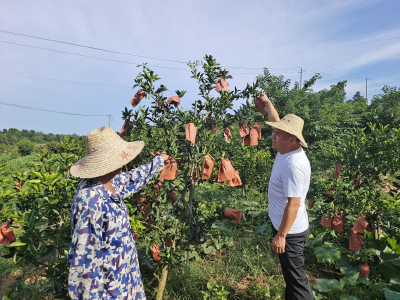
(272, 113)
(289, 215)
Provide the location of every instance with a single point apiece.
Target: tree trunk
(162, 282)
(245, 191)
(190, 202)
(192, 188)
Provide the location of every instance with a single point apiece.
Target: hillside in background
(12, 136)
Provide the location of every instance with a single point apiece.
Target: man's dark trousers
(294, 270)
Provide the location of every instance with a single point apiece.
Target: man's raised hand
(263, 98)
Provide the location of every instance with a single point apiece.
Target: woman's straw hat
(291, 124)
(106, 152)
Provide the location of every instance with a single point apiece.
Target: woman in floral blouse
(102, 258)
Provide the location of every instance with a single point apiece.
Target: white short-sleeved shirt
(290, 177)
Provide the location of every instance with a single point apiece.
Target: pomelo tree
(173, 217)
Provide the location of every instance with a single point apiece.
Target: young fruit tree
(201, 143)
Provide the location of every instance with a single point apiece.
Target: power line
(130, 54)
(281, 69)
(89, 47)
(374, 84)
(116, 121)
(52, 111)
(67, 81)
(88, 56)
(78, 82)
(336, 76)
(114, 60)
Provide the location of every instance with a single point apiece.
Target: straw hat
(291, 124)
(105, 152)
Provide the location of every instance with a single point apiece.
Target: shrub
(25, 147)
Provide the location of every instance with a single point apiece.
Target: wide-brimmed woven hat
(106, 152)
(291, 124)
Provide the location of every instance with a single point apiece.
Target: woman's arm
(136, 179)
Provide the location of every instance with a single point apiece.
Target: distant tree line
(12, 136)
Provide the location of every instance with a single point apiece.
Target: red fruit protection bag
(360, 225)
(235, 181)
(126, 128)
(337, 223)
(253, 137)
(170, 169)
(138, 97)
(364, 271)
(326, 222)
(225, 171)
(191, 132)
(311, 202)
(355, 242)
(7, 235)
(171, 196)
(227, 134)
(337, 170)
(233, 214)
(257, 126)
(140, 197)
(208, 165)
(175, 100)
(155, 252)
(243, 128)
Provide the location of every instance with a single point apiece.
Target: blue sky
(349, 39)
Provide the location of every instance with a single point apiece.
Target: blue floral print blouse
(102, 258)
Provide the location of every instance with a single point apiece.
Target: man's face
(280, 140)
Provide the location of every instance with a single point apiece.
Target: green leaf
(210, 249)
(34, 181)
(316, 239)
(347, 270)
(34, 251)
(391, 295)
(39, 223)
(328, 253)
(393, 244)
(38, 174)
(260, 229)
(31, 218)
(375, 286)
(395, 281)
(327, 285)
(17, 244)
(390, 265)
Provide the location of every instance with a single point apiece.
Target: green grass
(244, 268)
(14, 281)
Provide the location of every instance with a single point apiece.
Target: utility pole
(109, 120)
(301, 76)
(366, 89)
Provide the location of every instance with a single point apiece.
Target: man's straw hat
(291, 124)
(106, 152)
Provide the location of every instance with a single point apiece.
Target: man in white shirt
(287, 191)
